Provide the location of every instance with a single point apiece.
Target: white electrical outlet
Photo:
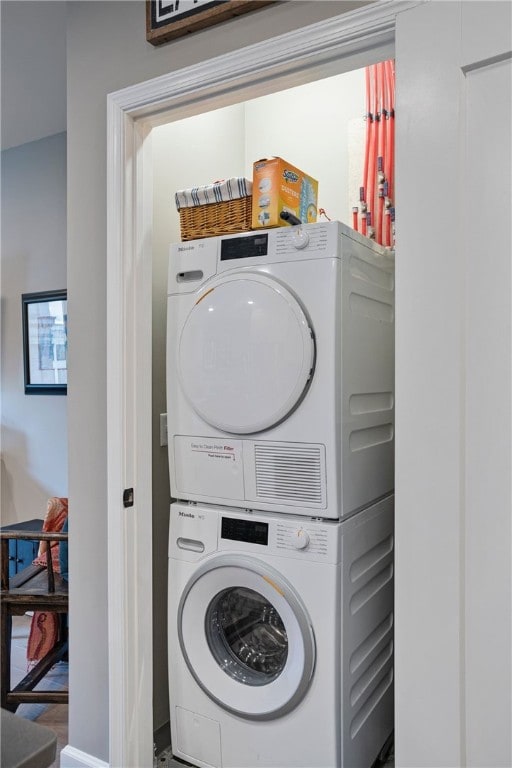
(163, 429)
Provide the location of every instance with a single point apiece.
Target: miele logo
(186, 248)
(186, 514)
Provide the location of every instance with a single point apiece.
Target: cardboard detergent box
(280, 187)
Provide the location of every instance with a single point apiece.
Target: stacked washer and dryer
(280, 397)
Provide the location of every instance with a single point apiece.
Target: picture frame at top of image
(45, 342)
(168, 19)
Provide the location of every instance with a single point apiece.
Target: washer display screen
(251, 531)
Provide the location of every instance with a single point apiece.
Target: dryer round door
(246, 354)
(246, 637)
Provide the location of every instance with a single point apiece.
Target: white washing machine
(280, 637)
(280, 370)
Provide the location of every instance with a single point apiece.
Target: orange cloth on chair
(56, 513)
(44, 628)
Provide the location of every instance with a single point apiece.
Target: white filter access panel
(233, 469)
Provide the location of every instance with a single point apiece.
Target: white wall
(453, 374)
(189, 153)
(309, 127)
(34, 427)
(33, 54)
(318, 127)
(107, 51)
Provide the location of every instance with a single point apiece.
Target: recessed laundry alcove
(318, 126)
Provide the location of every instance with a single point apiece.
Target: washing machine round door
(246, 353)
(246, 637)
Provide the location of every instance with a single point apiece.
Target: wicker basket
(224, 218)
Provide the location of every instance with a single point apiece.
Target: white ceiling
(33, 56)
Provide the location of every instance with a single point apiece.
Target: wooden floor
(54, 716)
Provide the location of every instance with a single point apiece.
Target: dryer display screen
(250, 531)
(244, 247)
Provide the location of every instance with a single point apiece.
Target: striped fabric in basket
(220, 191)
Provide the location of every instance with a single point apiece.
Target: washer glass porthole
(246, 636)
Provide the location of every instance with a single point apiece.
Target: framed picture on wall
(45, 342)
(168, 19)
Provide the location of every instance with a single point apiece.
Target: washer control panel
(302, 536)
(300, 539)
(198, 530)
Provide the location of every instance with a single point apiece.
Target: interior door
(453, 382)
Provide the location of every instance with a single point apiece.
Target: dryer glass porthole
(246, 354)
(246, 636)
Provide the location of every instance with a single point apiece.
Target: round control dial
(300, 238)
(300, 539)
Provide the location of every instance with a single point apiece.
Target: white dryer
(280, 370)
(280, 637)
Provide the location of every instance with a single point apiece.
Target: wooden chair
(35, 588)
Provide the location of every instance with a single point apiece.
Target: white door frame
(342, 43)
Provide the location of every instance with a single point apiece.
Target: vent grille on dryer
(292, 474)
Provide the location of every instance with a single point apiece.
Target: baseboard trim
(70, 757)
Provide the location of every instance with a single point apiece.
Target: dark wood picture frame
(159, 30)
(44, 344)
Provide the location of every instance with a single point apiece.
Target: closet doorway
(339, 45)
(440, 360)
